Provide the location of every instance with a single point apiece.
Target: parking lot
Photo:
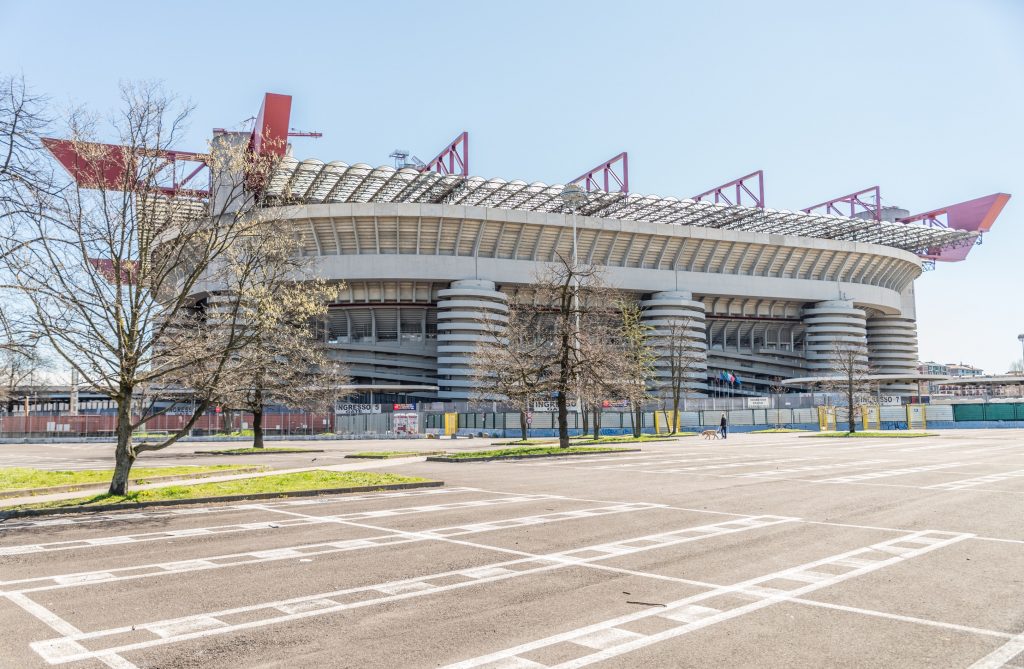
(763, 550)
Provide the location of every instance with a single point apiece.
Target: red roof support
(107, 167)
(453, 159)
(270, 135)
(602, 177)
(977, 215)
(855, 200)
(738, 187)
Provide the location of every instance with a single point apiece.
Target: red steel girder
(270, 134)
(110, 167)
(602, 177)
(453, 159)
(855, 200)
(732, 192)
(977, 215)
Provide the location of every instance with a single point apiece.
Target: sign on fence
(406, 423)
(357, 408)
(549, 406)
(890, 400)
(759, 403)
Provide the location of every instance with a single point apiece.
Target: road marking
(302, 519)
(402, 589)
(117, 516)
(1000, 656)
(692, 615)
(869, 476)
(40, 583)
(976, 481)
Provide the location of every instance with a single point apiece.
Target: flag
(738, 382)
(732, 379)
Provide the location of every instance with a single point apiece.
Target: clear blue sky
(924, 98)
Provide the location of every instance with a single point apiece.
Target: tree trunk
(849, 405)
(597, 423)
(638, 419)
(563, 390)
(563, 420)
(124, 454)
(523, 425)
(257, 428)
(675, 413)
(586, 418)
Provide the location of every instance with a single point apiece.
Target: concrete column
(892, 349)
(830, 323)
(461, 314)
(660, 311)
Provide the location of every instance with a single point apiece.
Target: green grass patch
(530, 450)
(588, 440)
(390, 454)
(279, 483)
(19, 478)
(778, 430)
(875, 435)
(257, 451)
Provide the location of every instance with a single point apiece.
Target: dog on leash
(710, 434)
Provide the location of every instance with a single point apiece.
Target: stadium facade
(425, 250)
(425, 255)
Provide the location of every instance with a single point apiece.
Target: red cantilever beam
(453, 159)
(854, 200)
(739, 187)
(605, 172)
(977, 215)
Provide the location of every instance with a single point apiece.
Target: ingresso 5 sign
(357, 408)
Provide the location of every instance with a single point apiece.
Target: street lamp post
(1020, 338)
(573, 197)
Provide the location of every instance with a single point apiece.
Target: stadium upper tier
(315, 182)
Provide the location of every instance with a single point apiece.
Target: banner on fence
(357, 408)
(550, 406)
(759, 403)
(406, 423)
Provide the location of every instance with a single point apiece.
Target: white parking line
(206, 563)
(976, 481)
(691, 615)
(1000, 656)
(870, 476)
(56, 651)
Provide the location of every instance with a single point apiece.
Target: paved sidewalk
(98, 489)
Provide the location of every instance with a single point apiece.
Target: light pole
(1020, 338)
(573, 197)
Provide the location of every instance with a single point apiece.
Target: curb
(288, 452)
(74, 487)
(530, 457)
(4, 515)
(645, 441)
(391, 457)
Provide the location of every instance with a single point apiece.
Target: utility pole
(573, 196)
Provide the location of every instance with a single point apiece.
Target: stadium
(426, 249)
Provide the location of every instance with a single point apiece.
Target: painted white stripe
(692, 620)
(1000, 656)
(404, 589)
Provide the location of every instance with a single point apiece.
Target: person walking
(724, 429)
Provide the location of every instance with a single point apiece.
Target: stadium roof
(315, 182)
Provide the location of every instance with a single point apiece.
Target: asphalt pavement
(759, 551)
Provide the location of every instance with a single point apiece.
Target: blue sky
(925, 99)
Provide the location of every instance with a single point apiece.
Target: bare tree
(633, 367)
(514, 359)
(680, 359)
(285, 361)
(579, 300)
(849, 374)
(136, 285)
